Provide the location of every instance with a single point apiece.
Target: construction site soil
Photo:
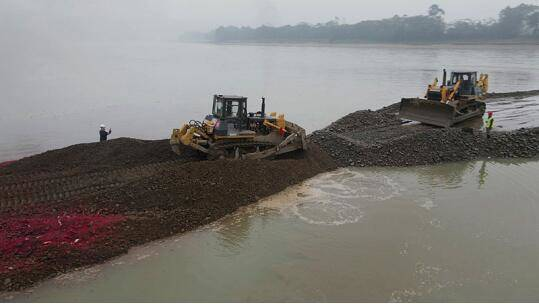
(380, 138)
(95, 157)
(87, 203)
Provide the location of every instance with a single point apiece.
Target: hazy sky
(165, 19)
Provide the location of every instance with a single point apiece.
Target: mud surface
(86, 203)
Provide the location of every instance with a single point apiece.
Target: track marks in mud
(55, 187)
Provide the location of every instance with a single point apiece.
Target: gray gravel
(379, 138)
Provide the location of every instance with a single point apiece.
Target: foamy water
(335, 198)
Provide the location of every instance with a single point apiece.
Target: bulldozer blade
(427, 111)
(291, 143)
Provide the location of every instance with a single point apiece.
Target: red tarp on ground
(25, 240)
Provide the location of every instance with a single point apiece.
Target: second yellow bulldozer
(456, 99)
(231, 132)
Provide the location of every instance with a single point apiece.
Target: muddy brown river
(465, 231)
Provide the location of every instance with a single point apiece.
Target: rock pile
(381, 139)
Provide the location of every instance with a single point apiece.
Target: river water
(460, 232)
(57, 94)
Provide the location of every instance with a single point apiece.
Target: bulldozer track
(243, 145)
(53, 187)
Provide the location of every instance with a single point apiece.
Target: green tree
(436, 11)
(522, 20)
(532, 22)
(512, 20)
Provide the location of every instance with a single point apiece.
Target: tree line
(519, 22)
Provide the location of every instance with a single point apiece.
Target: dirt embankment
(114, 154)
(86, 203)
(380, 138)
(410, 146)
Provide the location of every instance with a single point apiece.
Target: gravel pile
(381, 139)
(431, 147)
(92, 157)
(108, 218)
(363, 120)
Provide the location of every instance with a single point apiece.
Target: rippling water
(514, 113)
(456, 232)
(54, 95)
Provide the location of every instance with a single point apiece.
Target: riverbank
(60, 212)
(379, 138)
(368, 43)
(86, 203)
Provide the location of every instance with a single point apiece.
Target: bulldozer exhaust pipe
(444, 83)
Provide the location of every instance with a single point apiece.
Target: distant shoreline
(515, 25)
(356, 43)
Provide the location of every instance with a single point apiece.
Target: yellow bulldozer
(456, 99)
(231, 132)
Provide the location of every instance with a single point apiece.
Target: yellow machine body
(450, 102)
(231, 132)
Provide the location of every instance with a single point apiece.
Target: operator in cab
(103, 133)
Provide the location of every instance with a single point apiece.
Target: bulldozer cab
(467, 82)
(231, 111)
(229, 107)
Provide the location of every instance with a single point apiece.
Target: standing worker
(103, 134)
(489, 123)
